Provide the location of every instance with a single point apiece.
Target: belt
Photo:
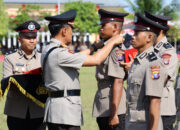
(56, 94)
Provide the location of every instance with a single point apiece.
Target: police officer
(110, 100)
(146, 78)
(168, 54)
(22, 113)
(63, 107)
(177, 87)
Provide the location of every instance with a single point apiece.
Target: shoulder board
(152, 56)
(167, 45)
(11, 52)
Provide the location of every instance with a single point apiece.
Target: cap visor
(29, 34)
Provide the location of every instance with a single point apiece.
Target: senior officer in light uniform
(63, 107)
(22, 113)
(110, 100)
(168, 53)
(146, 78)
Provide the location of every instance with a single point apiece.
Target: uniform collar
(58, 43)
(160, 43)
(143, 56)
(23, 54)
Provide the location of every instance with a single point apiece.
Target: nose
(31, 39)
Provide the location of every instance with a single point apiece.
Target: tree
(3, 19)
(87, 18)
(25, 13)
(153, 6)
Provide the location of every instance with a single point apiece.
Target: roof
(98, 2)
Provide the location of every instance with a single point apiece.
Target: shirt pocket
(137, 116)
(104, 93)
(135, 87)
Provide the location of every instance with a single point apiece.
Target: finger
(123, 63)
(130, 57)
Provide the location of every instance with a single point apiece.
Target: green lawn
(88, 89)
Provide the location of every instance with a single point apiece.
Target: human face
(28, 43)
(139, 39)
(106, 30)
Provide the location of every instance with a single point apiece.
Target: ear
(115, 26)
(19, 39)
(64, 31)
(150, 37)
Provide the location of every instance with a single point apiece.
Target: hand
(117, 39)
(113, 121)
(127, 66)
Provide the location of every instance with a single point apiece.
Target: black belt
(56, 94)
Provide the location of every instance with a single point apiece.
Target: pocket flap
(137, 116)
(136, 81)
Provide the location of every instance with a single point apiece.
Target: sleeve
(7, 67)
(67, 59)
(115, 69)
(154, 80)
(170, 60)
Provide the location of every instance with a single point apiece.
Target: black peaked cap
(109, 16)
(65, 17)
(143, 23)
(163, 20)
(28, 26)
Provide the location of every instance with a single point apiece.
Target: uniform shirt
(61, 74)
(146, 78)
(169, 57)
(177, 87)
(17, 104)
(105, 74)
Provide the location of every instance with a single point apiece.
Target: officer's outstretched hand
(127, 66)
(113, 121)
(117, 39)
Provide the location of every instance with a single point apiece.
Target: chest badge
(166, 58)
(155, 72)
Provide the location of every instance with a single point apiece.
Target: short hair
(155, 35)
(120, 24)
(55, 28)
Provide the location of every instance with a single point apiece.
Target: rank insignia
(120, 57)
(155, 72)
(166, 57)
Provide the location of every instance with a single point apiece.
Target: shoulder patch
(167, 45)
(166, 58)
(11, 52)
(152, 56)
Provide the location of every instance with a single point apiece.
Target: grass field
(88, 89)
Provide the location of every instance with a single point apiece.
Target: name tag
(19, 64)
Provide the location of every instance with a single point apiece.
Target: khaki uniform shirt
(16, 103)
(145, 79)
(169, 57)
(105, 74)
(61, 73)
(177, 87)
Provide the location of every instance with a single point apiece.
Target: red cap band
(27, 30)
